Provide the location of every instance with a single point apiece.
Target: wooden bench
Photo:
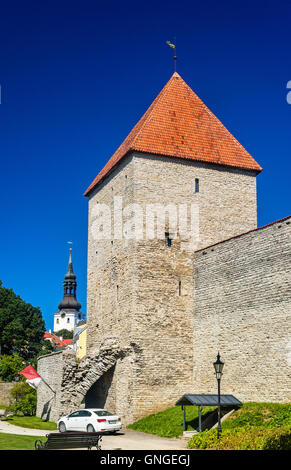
(70, 440)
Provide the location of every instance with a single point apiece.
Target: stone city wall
(50, 367)
(5, 389)
(242, 309)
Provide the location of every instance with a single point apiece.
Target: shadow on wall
(46, 411)
(97, 395)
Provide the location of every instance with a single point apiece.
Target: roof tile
(179, 124)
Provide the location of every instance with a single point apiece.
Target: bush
(279, 440)
(247, 438)
(24, 399)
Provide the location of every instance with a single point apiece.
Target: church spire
(70, 273)
(69, 301)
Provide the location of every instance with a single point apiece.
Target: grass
(31, 422)
(267, 415)
(20, 442)
(255, 426)
(169, 423)
(17, 442)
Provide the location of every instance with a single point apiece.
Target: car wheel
(62, 427)
(90, 428)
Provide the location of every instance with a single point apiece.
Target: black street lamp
(218, 366)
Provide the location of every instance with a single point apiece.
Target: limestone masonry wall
(5, 389)
(51, 368)
(242, 309)
(157, 314)
(141, 291)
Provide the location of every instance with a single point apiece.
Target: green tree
(47, 348)
(66, 334)
(21, 326)
(10, 366)
(24, 399)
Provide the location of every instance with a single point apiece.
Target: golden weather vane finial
(173, 46)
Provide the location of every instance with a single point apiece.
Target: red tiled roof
(58, 342)
(51, 335)
(68, 341)
(179, 124)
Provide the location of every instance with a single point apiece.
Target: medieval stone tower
(163, 299)
(140, 288)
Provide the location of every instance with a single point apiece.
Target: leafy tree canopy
(21, 326)
(65, 334)
(10, 366)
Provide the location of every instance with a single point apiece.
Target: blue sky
(76, 76)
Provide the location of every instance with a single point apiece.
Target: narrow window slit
(169, 240)
(196, 185)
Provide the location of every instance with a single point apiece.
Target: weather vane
(173, 46)
(70, 243)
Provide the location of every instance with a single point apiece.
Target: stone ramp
(211, 422)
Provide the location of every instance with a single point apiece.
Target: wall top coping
(200, 251)
(48, 355)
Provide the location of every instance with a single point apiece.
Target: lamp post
(218, 366)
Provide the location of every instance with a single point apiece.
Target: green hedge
(246, 438)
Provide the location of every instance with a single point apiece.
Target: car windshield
(103, 413)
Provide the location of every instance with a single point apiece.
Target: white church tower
(69, 313)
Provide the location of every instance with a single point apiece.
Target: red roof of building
(58, 342)
(179, 124)
(48, 335)
(68, 341)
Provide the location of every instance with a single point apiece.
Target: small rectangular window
(168, 239)
(196, 185)
(180, 288)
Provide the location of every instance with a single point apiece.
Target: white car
(90, 420)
